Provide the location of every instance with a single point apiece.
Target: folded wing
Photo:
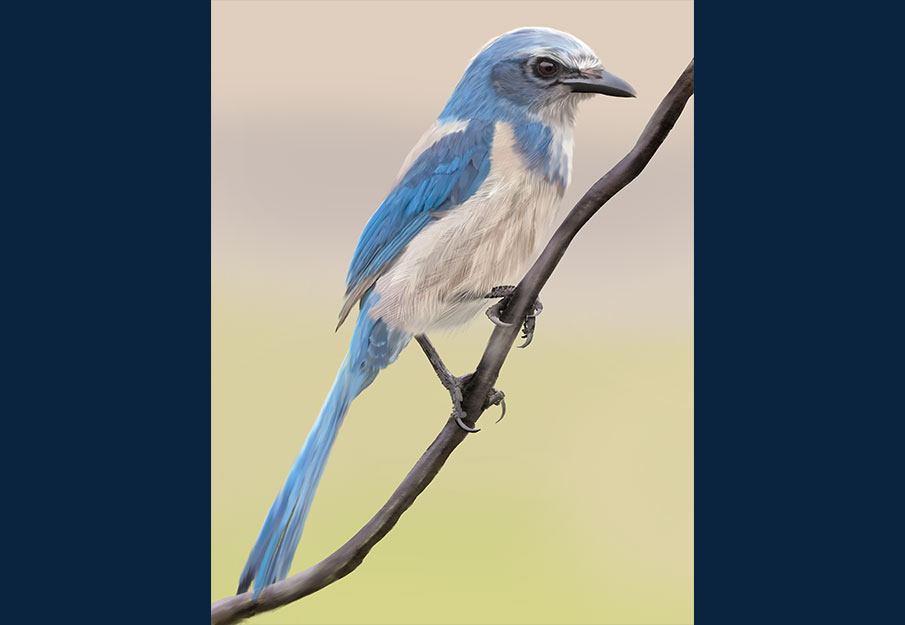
(442, 177)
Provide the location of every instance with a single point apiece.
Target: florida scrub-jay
(471, 209)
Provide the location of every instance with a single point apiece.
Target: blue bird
(471, 209)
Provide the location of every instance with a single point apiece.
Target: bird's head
(539, 72)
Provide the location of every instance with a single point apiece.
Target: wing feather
(441, 178)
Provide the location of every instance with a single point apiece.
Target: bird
(472, 207)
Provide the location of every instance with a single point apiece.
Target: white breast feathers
(439, 280)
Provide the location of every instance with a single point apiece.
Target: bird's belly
(439, 281)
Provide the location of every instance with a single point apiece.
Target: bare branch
(347, 558)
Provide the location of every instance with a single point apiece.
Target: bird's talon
(465, 427)
(503, 406)
(538, 308)
(496, 398)
(493, 313)
(528, 330)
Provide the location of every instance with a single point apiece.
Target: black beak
(600, 81)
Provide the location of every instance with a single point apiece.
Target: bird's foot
(494, 398)
(495, 312)
(455, 385)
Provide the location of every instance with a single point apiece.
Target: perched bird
(471, 209)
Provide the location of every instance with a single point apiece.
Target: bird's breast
(440, 279)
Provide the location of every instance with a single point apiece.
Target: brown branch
(347, 558)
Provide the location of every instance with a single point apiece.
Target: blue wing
(446, 174)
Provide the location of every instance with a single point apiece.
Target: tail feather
(374, 346)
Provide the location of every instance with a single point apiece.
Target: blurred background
(578, 506)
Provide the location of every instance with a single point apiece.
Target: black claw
(530, 323)
(462, 425)
(496, 398)
(493, 313)
(503, 406)
(528, 331)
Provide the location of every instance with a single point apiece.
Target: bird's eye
(546, 68)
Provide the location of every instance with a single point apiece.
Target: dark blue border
(796, 273)
(107, 248)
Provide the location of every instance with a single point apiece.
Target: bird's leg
(495, 312)
(455, 385)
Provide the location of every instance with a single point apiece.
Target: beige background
(578, 507)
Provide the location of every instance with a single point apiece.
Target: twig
(345, 559)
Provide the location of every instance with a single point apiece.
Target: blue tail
(374, 346)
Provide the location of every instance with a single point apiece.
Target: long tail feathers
(374, 346)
